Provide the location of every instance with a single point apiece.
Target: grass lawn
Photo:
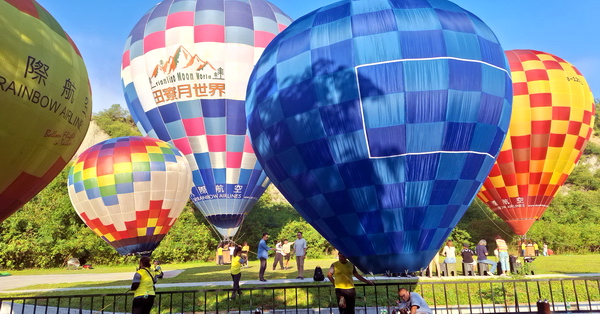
(209, 272)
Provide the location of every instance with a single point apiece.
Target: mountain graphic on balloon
(181, 57)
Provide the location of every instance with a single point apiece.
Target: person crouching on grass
(236, 271)
(412, 303)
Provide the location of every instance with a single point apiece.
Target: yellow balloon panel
(45, 99)
(552, 119)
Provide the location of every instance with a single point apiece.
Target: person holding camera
(412, 302)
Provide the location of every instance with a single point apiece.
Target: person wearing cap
(263, 255)
(467, 255)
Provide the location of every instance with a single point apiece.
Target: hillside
(93, 136)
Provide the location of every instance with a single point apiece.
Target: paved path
(12, 284)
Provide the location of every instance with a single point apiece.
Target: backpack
(318, 276)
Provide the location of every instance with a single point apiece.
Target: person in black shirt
(467, 258)
(467, 254)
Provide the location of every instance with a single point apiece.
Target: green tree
(267, 215)
(481, 223)
(188, 240)
(317, 245)
(116, 122)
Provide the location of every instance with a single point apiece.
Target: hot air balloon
(130, 191)
(185, 71)
(45, 101)
(379, 120)
(552, 120)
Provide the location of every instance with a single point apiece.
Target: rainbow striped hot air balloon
(185, 70)
(552, 121)
(130, 191)
(45, 101)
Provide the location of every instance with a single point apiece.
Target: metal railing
(575, 295)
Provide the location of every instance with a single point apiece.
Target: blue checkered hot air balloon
(185, 71)
(379, 120)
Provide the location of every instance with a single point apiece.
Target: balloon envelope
(185, 70)
(45, 101)
(553, 118)
(378, 121)
(130, 191)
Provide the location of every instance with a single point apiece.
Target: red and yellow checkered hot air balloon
(552, 120)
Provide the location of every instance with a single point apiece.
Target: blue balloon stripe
(158, 125)
(462, 45)
(333, 180)
(429, 44)
(238, 13)
(455, 21)
(310, 122)
(341, 118)
(292, 161)
(417, 19)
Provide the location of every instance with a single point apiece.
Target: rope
(490, 218)
(102, 309)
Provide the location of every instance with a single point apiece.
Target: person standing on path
(278, 255)
(287, 251)
(263, 255)
(300, 250)
(503, 255)
(236, 271)
(142, 286)
(340, 275)
(545, 249)
(220, 254)
(245, 250)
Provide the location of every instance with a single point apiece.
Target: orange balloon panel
(552, 119)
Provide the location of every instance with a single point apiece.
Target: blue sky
(567, 29)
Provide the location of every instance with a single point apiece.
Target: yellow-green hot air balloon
(45, 100)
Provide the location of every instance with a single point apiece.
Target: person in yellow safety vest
(245, 250)
(340, 275)
(220, 254)
(143, 287)
(236, 272)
